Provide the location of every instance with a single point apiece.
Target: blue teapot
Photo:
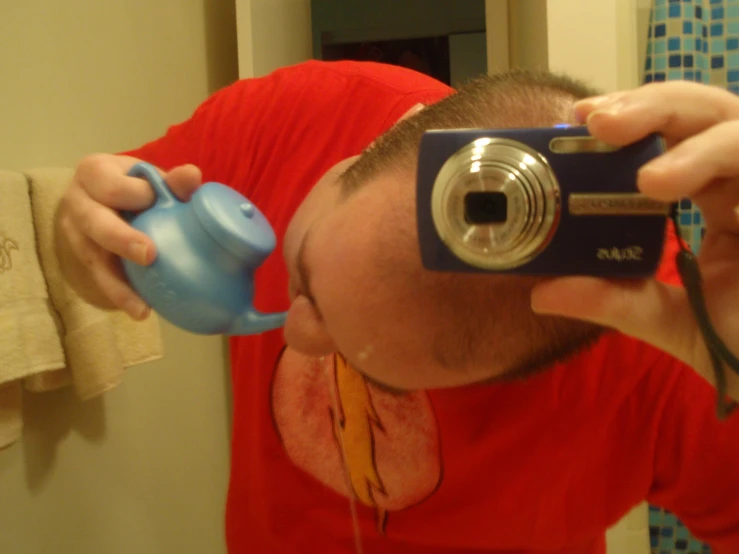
(207, 252)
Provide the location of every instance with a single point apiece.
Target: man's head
(357, 284)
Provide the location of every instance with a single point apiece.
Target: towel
(29, 335)
(49, 336)
(99, 344)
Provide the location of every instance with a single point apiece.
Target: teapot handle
(165, 197)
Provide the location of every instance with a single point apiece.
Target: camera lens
(495, 203)
(485, 208)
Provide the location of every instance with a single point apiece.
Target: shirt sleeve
(696, 472)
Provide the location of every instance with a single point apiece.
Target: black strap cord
(721, 356)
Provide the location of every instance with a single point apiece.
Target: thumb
(654, 312)
(184, 180)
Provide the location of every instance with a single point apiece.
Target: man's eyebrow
(349, 182)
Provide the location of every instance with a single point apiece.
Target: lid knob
(247, 208)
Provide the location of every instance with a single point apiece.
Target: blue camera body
(542, 201)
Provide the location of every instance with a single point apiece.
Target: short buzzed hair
(518, 98)
(478, 316)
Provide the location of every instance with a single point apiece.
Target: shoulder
(392, 77)
(325, 79)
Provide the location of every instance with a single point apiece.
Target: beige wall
(597, 41)
(143, 469)
(85, 75)
(497, 29)
(604, 41)
(272, 34)
(528, 34)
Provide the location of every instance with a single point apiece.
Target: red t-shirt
(544, 465)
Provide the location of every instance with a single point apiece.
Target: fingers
(106, 229)
(184, 181)
(701, 125)
(675, 109)
(654, 312)
(694, 164)
(103, 178)
(107, 274)
(98, 237)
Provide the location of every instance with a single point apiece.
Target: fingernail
(138, 252)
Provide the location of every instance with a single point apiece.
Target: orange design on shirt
(381, 448)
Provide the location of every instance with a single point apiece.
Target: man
(454, 418)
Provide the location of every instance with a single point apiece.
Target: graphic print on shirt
(384, 446)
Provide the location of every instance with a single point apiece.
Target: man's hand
(701, 127)
(91, 236)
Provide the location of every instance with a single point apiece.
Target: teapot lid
(233, 221)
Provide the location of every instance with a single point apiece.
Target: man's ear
(410, 113)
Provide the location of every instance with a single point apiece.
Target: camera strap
(721, 356)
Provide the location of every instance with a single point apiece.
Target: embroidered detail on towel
(6, 245)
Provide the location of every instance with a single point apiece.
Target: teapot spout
(253, 322)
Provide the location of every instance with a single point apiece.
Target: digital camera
(542, 201)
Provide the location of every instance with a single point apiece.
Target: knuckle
(66, 224)
(86, 170)
(94, 176)
(69, 223)
(110, 194)
(69, 201)
(87, 258)
(85, 225)
(93, 162)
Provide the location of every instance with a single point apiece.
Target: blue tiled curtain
(694, 40)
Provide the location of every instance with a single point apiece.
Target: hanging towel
(29, 336)
(99, 344)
